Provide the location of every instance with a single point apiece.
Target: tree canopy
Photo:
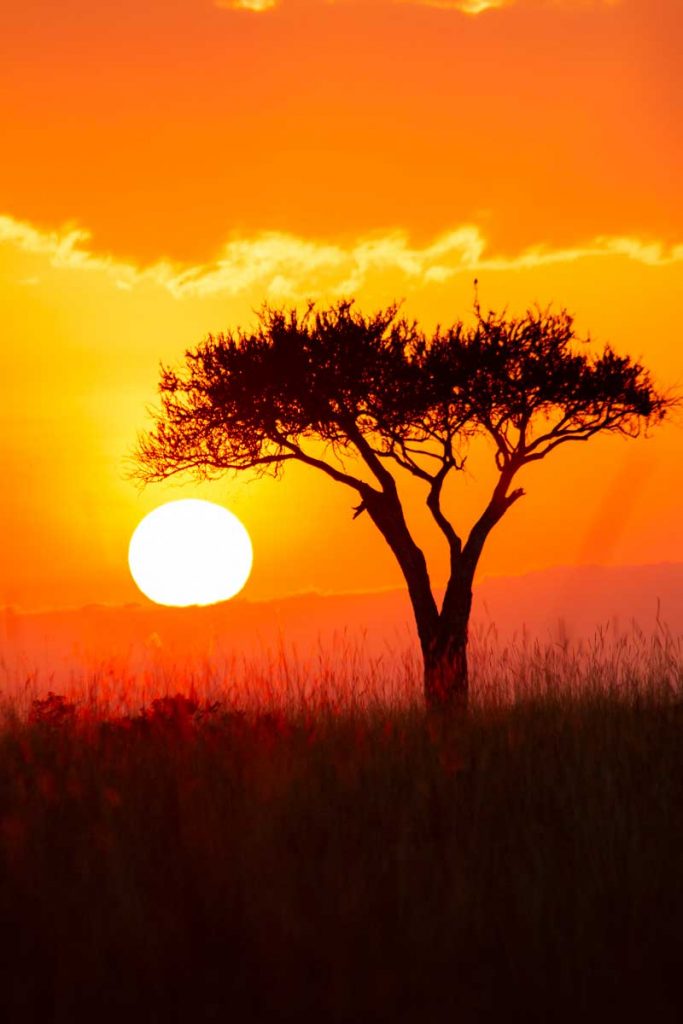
(378, 387)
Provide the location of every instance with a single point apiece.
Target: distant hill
(577, 599)
(567, 602)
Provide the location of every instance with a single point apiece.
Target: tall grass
(302, 842)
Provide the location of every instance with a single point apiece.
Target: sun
(190, 552)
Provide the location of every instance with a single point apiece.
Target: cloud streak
(481, 6)
(471, 7)
(284, 266)
(256, 6)
(463, 6)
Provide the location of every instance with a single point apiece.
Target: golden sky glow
(169, 167)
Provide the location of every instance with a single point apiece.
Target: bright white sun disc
(190, 552)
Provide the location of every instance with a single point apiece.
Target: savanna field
(306, 844)
(340, 402)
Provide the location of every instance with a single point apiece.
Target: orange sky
(166, 167)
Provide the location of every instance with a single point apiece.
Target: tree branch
(369, 456)
(161, 470)
(406, 463)
(386, 512)
(565, 436)
(444, 524)
(501, 444)
(498, 505)
(341, 477)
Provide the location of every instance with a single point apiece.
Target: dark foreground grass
(343, 867)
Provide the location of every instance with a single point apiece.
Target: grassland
(333, 855)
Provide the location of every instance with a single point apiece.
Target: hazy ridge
(557, 603)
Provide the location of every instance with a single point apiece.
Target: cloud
(480, 6)
(246, 5)
(472, 7)
(62, 247)
(654, 254)
(284, 266)
(464, 6)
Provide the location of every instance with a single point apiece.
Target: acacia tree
(365, 399)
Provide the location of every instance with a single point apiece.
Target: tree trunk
(446, 679)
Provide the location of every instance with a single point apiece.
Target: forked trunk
(442, 634)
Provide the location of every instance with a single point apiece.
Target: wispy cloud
(472, 7)
(480, 6)
(64, 247)
(246, 5)
(464, 6)
(284, 266)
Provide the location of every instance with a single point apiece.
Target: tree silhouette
(333, 389)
